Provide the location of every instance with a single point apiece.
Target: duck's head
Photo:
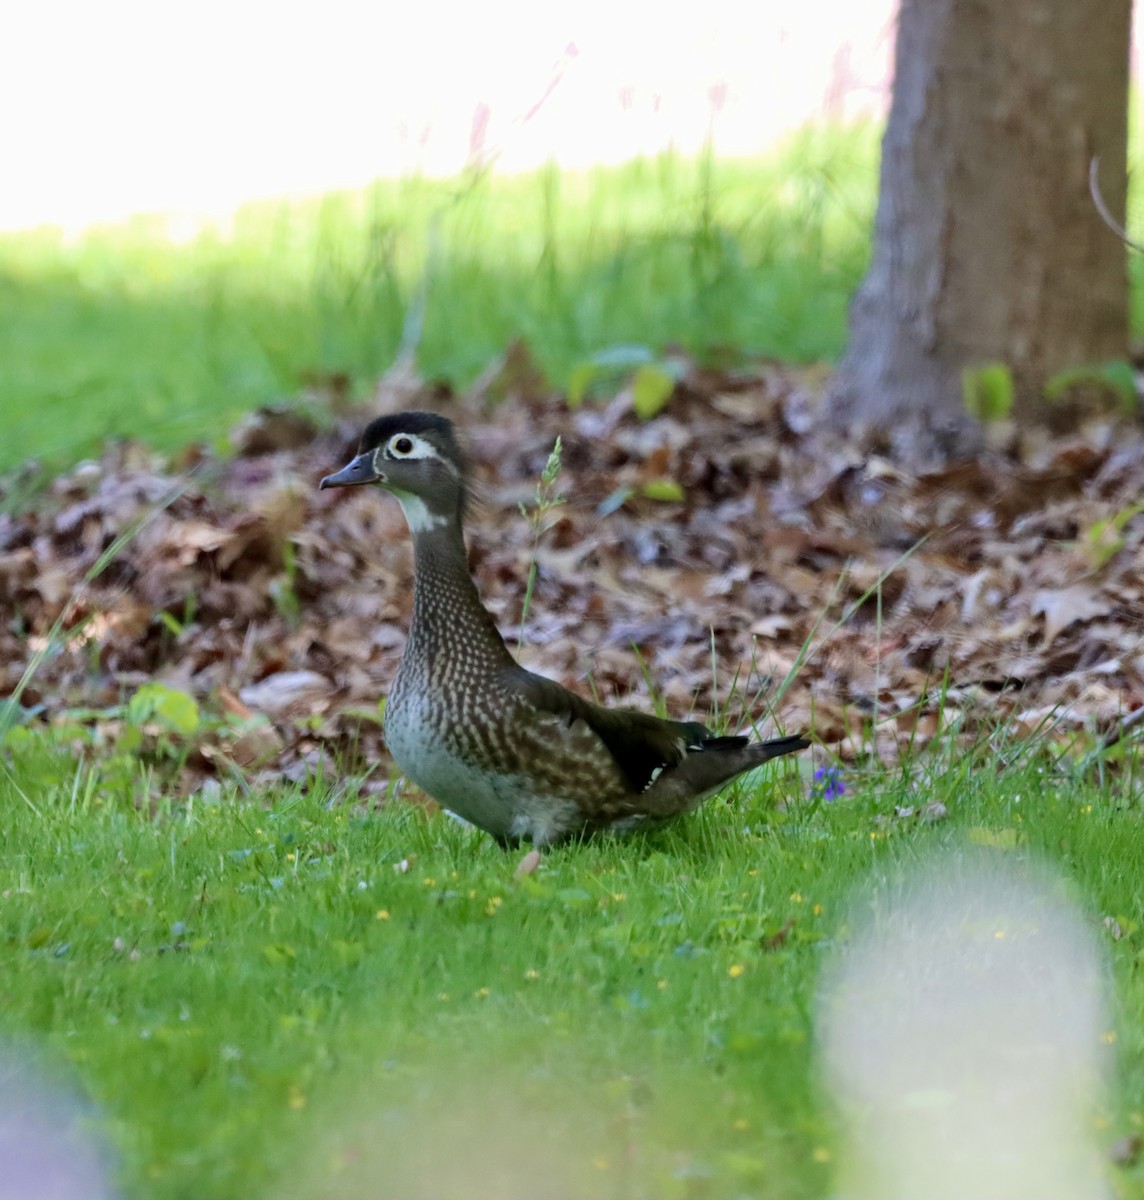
(416, 456)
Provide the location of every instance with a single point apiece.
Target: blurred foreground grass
(127, 331)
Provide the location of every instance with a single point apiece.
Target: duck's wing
(642, 746)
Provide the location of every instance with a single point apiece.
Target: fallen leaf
(260, 595)
(278, 693)
(1062, 607)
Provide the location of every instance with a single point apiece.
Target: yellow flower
(493, 904)
(481, 993)
(796, 897)
(383, 914)
(735, 970)
(532, 973)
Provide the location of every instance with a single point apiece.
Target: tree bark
(987, 246)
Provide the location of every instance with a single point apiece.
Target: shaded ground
(998, 594)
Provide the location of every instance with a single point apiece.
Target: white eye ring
(401, 445)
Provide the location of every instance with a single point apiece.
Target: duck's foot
(527, 865)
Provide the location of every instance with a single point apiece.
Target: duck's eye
(401, 445)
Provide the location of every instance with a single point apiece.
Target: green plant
(1104, 539)
(652, 380)
(987, 391)
(539, 517)
(1117, 377)
(284, 588)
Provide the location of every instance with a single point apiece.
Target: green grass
(123, 331)
(259, 1000)
(120, 331)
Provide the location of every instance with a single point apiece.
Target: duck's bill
(360, 470)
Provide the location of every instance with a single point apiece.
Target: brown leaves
(992, 591)
(1062, 607)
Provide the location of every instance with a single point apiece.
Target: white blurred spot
(47, 1148)
(961, 1034)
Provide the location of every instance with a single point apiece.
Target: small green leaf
(156, 701)
(988, 391)
(129, 740)
(1106, 536)
(579, 382)
(1121, 376)
(286, 601)
(1117, 375)
(651, 390)
(1105, 541)
(1063, 381)
(611, 364)
(666, 490)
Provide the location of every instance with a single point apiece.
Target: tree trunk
(987, 246)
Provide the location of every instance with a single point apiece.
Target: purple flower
(828, 783)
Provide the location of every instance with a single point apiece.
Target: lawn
(266, 994)
(290, 991)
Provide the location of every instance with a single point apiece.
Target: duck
(519, 756)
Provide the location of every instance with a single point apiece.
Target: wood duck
(507, 750)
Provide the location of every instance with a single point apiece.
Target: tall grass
(128, 330)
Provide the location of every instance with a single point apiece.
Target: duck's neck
(448, 617)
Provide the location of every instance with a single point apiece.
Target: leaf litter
(718, 556)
